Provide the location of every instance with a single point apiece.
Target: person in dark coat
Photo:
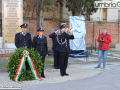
(64, 48)
(23, 39)
(55, 47)
(40, 44)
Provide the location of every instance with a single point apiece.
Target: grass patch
(108, 58)
(77, 61)
(113, 50)
(89, 48)
(48, 62)
(112, 47)
(95, 56)
(3, 65)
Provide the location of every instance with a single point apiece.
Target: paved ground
(82, 77)
(53, 76)
(108, 79)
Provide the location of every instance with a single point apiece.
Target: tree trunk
(75, 13)
(61, 12)
(39, 14)
(87, 18)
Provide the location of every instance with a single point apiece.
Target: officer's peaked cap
(25, 25)
(63, 26)
(40, 29)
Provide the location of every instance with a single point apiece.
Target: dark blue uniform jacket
(22, 41)
(54, 40)
(40, 44)
(64, 47)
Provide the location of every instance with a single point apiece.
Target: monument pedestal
(9, 45)
(12, 18)
(9, 50)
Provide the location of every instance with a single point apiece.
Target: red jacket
(104, 45)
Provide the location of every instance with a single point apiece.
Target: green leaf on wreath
(14, 60)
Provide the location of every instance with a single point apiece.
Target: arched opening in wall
(118, 15)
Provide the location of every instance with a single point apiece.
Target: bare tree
(35, 9)
(39, 14)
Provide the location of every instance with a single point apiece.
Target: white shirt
(41, 36)
(24, 33)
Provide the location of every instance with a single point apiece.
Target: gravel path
(76, 71)
(3, 59)
(53, 76)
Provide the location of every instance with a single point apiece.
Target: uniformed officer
(64, 48)
(40, 44)
(55, 47)
(23, 39)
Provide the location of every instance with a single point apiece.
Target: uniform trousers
(56, 59)
(27, 65)
(43, 60)
(63, 59)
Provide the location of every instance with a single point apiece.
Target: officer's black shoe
(57, 68)
(66, 74)
(62, 75)
(42, 75)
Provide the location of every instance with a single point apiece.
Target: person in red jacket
(104, 39)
